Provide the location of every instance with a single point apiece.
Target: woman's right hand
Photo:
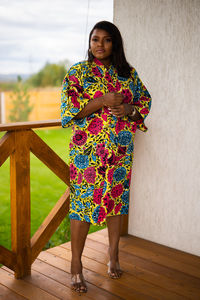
(112, 99)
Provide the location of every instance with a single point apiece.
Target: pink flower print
(73, 172)
(117, 190)
(73, 94)
(112, 159)
(98, 94)
(133, 127)
(102, 215)
(104, 157)
(108, 77)
(100, 149)
(144, 111)
(129, 175)
(127, 96)
(110, 87)
(117, 208)
(137, 103)
(119, 125)
(90, 174)
(80, 178)
(97, 195)
(104, 117)
(85, 95)
(106, 110)
(74, 79)
(95, 126)
(121, 150)
(108, 203)
(143, 98)
(96, 72)
(118, 86)
(80, 137)
(110, 175)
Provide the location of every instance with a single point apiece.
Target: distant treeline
(49, 75)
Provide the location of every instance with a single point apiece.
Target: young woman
(105, 101)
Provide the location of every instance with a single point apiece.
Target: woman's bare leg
(114, 225)
(79, 231)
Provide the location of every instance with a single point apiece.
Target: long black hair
(118, 58)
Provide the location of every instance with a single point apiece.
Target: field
(46, 189)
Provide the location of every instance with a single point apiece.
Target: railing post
(20, 202)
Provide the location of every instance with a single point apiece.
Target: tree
(49, 75)
(20, 100)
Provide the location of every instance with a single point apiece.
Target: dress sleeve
(141, 100)
(72, 100)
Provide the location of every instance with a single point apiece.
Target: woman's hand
(121, 110)
(112, 99)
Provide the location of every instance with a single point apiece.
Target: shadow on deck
(151, 271)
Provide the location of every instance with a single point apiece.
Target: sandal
(112, 274)
(78, 283)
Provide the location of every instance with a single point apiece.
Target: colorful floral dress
(101, 146)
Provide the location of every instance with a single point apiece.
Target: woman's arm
(109, 100)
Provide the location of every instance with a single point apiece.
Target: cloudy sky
(33, 32)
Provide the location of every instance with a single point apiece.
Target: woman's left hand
(121, 110)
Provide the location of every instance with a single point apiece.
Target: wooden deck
(151, 271)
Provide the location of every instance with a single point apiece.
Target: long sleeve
(72, 97)
(141, 100)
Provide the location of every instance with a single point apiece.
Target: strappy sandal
(112, 274)
(78, 283)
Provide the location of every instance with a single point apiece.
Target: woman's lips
(100, 50)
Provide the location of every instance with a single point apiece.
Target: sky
(34, 32)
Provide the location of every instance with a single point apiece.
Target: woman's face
(101, 45)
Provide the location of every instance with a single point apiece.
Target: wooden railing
(18, 142)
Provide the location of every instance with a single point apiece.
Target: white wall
(162, 41)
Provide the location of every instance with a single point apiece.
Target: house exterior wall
(162, 41)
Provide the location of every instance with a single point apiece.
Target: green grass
(46, 189)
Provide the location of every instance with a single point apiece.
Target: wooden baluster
(20, 203)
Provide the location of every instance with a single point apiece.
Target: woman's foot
(114, 270)
(78, 283)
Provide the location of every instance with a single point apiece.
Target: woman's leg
(79, 231)
(114, 225)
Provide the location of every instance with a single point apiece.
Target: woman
(105, 101)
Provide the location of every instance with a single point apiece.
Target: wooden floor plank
(151, 272)
(23, 288)
(162, 249)
(95, 278)
(151, 255)
(150, 275)
(64, 278)
(7, 294)
(138, 282)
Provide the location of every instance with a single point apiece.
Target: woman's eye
(94, 39)
(109, 40)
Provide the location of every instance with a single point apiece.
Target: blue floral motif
(104, 187)
(80, 122)
(72, 152)
(75, 216)
(124, 209)
(124, 137)
(72, 72)
(125, 197)
(119, 174)
(95, 214)
(87, 219)
(77, 193)
(80, 204)
(87, 204)
(81, 161)
(65, 120)
(89, 192)
(130, 148)
(73, 206)
(74, 110)
(126, 184)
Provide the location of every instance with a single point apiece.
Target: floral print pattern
(101, 146)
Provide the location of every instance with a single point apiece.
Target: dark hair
(118, 58)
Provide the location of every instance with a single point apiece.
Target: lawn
(46, 189)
